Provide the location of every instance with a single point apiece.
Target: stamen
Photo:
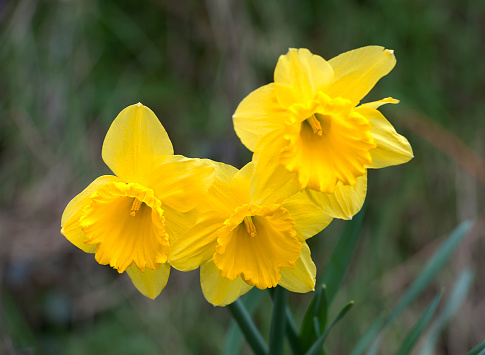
(135, 207)
(250, 227)
(315, 124)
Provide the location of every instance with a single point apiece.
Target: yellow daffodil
(250, 236)
(308, 126)
(128, 219)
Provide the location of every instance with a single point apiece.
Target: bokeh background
(69, 67)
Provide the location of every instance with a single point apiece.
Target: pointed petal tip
(139, 104)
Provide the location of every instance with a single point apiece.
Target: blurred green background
(69, 67)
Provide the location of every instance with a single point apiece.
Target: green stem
(252, 334)
(278, 324)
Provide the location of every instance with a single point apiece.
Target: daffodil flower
(308, 126)
(250, 236)
(128, 219)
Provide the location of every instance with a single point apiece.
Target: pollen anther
(315, 125)
(250, 227)
(135, 207)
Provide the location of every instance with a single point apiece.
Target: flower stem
(252, 334)
(278, 321)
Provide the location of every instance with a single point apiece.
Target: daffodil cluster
(312, 141)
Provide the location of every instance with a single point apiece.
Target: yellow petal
(256, 242)
(217, 289)
(220, 197)
(379, 103)
(178, 223)
(258, 114)
(149, 282)
(309, 219)
(345, 202)
(301, 278)
(241, 183)
(181, 183)
(392, 148)
(126, 224)
(338, 152)
(134, 141)
(299, 75)
(70, 226)
(271, 181)
(198, 245)
(357, 71)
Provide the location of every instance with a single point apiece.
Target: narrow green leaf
(342, 255)
(235, 337)
(318, 309)
(478, 350)
(436, 263)
(278, 321)
(418, 329)
(292, 334)
(368, 336)
(252, 334)
(460, 290)
(318, 344)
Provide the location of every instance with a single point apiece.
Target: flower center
(126, 223)
(315, 125)
(257, 257)
(328, 142)
(135, 207)
(250, 228)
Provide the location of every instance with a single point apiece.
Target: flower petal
(302, 277)
(258, 114)
(126, 223)
(70, 226)
(134, 141)
(217, 289)
(345, 202)
(255, 243)
(182, 183)
(178, 223)
(392, 148)
(309, 219)
(220, 197)
(271, 181)
(241, 184)
(299, 75)
(149, 282)
(379, 103)
(198, 245)
(340, 152)
(357, 71)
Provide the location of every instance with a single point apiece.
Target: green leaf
(235, 337)
(292, 334)
(457, 297)
(418, 329)
(318, 344)
(318, 309)
(368, 336)
(342, 255)
(439, 259)
(478, 350)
